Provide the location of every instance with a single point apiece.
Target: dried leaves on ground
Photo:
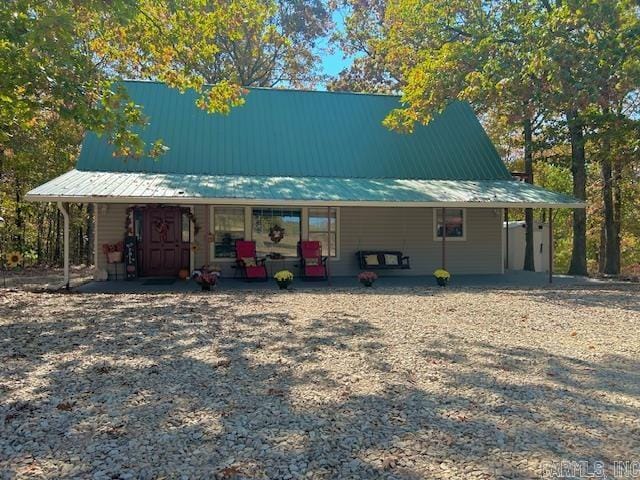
(389, 383)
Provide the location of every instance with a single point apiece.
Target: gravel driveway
(393, 383)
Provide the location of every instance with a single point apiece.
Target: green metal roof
(79, 186)
(300, 147)
(301, 134)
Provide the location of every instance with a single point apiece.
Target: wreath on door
(276, 233)
(162, 228)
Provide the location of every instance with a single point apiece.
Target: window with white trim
(228, 226)
(454, 226)
(323, 226)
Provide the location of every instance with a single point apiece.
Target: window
(185, 227)
(138, 224)
(455, 224)
(323, 227)
(228, 226)
(276, 231)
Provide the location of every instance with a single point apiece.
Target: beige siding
(111, 220)
(366, 228)
(411, 231)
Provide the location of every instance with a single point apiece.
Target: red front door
(164, 253)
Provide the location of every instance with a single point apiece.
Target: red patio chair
(246, 260)
(314, 265)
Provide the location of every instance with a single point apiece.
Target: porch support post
(329, 245)
(192, 235)
(207, 232)
(95, 234)
(550, 245)
(64, 209)
(506, 237)
(444, 238)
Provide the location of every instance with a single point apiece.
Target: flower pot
(183, 274)
(367, 283)
(283, 285)
(114, 257)
(206, 287)
(442, 281)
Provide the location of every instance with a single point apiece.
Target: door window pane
(186, 227)
(276, 231)
(228, 226)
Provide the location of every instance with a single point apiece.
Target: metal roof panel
(289, 133)
(84, 186)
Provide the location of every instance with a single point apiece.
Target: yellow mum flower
(283, 276)
(14, 259)
(441, 273)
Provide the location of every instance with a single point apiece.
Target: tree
(278, 45)
(364, 28)
(591, 53)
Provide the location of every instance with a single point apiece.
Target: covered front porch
(173, 224)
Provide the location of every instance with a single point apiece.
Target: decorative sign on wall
(131, 257)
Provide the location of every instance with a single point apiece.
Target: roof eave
(277, 202)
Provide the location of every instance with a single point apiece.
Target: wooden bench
(382, 260)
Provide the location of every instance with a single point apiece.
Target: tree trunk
(611, 246)
(41, 216)
(19, 220)
(529, 263)
(578, 265)
(601, 248)
(617, 207)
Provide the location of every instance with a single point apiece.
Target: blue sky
(333, 63)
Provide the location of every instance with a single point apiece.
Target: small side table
(115, 266)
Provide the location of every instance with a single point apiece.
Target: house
(311, 165)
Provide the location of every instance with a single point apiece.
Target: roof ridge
(278, 89)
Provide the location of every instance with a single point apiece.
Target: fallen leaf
(229, 472)
(389, 462)
(66, 406)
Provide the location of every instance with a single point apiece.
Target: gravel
(360, 383)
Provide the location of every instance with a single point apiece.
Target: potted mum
(442, 277)
(205, 277)
(367, 278)
(283, 279)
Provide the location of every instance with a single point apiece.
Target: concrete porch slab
(524, 280)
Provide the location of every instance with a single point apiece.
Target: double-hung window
(228, 226)
(454, 226)
(323, 227)
(277, 231)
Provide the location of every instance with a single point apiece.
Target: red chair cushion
(258, 271)
(314, 270)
